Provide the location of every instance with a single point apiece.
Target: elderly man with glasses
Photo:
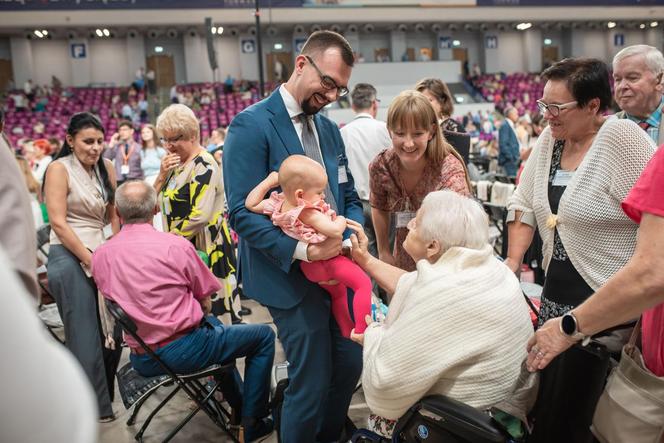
(637, 76)
(324, 366)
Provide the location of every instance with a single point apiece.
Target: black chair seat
(133, 386)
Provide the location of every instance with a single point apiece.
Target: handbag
(631, 408)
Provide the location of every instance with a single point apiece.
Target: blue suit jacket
(258, 140)
(508, 144)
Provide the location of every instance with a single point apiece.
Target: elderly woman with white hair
(192, 200)
(457, 325)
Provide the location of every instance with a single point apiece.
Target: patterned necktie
(312, 151)
(644, 125)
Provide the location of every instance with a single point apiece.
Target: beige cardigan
(598, 237)
(457, 327)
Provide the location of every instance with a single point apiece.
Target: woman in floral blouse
(420, 161)
(192, 199)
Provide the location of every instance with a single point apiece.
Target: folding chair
(136, 389)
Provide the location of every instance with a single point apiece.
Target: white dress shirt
(364, 138)
(294, 110)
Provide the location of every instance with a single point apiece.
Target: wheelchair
(440, 419)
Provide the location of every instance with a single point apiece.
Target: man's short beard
(308, 108)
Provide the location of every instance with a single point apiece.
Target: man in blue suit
(324, 366)
(508, 144)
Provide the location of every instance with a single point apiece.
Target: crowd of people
(320, 214)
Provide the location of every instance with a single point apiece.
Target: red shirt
(648, 196)
(156, 277)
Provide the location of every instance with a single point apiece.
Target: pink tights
(349, 275)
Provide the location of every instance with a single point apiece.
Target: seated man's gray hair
(454, 221)
(135, 201)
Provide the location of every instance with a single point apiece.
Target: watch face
(568, 324)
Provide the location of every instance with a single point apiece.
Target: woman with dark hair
(441, 99)
(78, 189)
(582, 167)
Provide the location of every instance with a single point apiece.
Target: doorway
(164, 69)
(461, 54)
(549, 56)
(5, 73)
(279, 66)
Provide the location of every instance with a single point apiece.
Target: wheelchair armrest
(457, 418)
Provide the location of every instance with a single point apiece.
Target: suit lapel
(329, 157)
(283, 125)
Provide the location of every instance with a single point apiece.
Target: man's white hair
(653, 57)
(453, 220)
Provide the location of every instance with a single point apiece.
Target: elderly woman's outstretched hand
(359, 338)
(360, 243)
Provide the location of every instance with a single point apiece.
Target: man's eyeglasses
(171, 141)
(328, 82)
(554, 109)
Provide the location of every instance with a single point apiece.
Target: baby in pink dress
(301, 212)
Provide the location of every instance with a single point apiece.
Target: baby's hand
(273, 179)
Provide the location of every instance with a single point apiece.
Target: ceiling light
(213, 30)
(38, 33)
(99, 33)
(158, 49)
(44, 31)
(106, 32)
(278, 46)
(547, 41)
(220, 30)
(523, 26)
(642, 26)
(611, 25)
(654, 24)
(456, 43)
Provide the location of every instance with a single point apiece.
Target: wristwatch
(570, 327)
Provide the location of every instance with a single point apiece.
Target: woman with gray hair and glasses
(582, 167)
(457, 326)
(192, 201)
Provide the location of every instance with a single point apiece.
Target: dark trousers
(214, 343)
(324, 368)
(76, 297)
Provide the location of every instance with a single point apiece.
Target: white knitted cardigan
(598, 237)
(457, 327)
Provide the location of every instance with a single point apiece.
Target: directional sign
(77, 50)
(248, 45)
(491, 42)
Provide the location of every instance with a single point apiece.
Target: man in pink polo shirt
(162, 284)
(637, 289)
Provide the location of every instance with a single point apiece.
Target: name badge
(343, 176)
(562, 178)
(124, 169)
(402, 218)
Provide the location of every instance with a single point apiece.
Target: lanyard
(126, 155)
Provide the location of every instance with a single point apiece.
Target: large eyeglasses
(328, 82)
(554, 109)
(171, 141)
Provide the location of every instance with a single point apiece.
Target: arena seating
(503, 89)
(219, 112)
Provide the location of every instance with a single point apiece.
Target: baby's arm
(254, 201)
(323, 224)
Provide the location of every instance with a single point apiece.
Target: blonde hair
(180, 119)
(412, 110)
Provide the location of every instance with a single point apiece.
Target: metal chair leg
(139, 435)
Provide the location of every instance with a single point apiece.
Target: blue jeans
(215, 343)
